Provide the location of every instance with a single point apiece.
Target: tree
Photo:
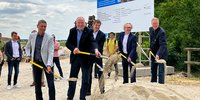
(181, 20)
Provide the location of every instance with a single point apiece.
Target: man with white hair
(127, 46)
(80, 39)
(158, 46)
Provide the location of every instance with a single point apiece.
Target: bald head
(80, 23)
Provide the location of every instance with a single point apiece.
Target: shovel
(87, 53)
(133, 64)
(41, 67)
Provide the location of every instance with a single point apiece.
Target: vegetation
(181, 21)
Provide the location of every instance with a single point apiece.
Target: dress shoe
(33, 84)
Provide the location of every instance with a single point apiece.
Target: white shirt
(15, 48)
(95, 34)
(125, 40)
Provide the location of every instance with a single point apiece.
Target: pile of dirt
(141, 91)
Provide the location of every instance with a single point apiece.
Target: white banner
(116, 13)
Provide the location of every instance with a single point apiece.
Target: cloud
(18, 6)
(22, 15)
(13, 8)
(37, 2)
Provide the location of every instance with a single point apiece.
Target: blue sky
(22, 15)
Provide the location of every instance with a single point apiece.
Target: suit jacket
(158, 42)
(100, 39)
(47, 48)
(131, 45)
(87, 44)
(9, 50)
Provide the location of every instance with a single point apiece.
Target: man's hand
(157, 57)
(18, 59)
(49, 69)
(76, 51)
(129, 59)
(97, 53)
(12, 59)
(28, 59)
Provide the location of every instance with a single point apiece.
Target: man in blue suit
(158, 46)
(100, 38)
(13, 52)
(127, 46)
(80, 39)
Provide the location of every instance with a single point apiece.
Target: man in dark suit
(80, 39)
(158, 46)
(100, 38)
(13, 52)
(127, 46)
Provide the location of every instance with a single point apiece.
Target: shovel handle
(152, 54)
(41, 67)
(126, 58)
(87, 53)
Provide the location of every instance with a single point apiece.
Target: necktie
(79, 37)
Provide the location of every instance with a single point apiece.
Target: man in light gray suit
(40, 49)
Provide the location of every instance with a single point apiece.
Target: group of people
(42, 49)
(34, 51)
(92, 40)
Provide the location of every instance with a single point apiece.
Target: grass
(196, 75)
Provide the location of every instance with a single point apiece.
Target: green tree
(181, 20)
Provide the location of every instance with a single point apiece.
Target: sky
(22, 16)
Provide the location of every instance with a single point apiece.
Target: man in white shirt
(13, 52)
(127, 46)
(100, 38)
